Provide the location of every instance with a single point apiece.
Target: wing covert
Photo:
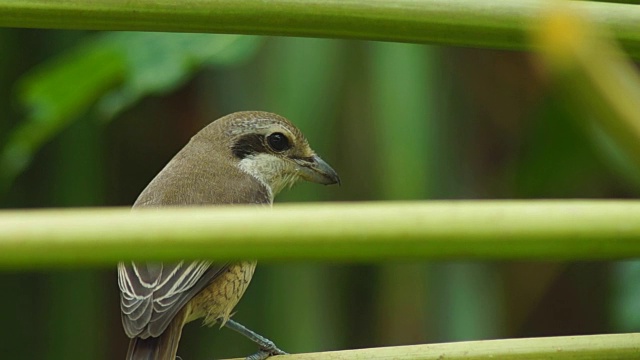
(152, 293)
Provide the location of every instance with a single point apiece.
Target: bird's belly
(216, 301)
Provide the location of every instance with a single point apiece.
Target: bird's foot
(267, 347)
(265, 353)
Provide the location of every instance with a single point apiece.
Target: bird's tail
(163, 347)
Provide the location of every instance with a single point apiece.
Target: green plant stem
(591, 347)
(595, 75)
(495, 24)
(543, 230)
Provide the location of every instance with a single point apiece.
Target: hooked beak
(318, 171)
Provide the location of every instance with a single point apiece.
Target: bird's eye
(278, 142)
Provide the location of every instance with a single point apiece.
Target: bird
(242, 158)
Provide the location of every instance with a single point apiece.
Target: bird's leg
(267, 347)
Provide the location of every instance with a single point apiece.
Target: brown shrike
(242, 158)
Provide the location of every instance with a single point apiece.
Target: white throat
(273, 172)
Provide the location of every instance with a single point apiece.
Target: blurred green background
(88, 119)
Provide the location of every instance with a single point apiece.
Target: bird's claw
(267, 347)
(266, 352)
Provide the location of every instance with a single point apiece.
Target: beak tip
(336, 180)
(320, 172)
(330, 178)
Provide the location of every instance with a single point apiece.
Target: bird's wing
(152, 293)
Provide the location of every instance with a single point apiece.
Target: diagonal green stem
(591, 347)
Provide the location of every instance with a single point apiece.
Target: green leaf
(158, 63)
(115, 70)
(54, 95)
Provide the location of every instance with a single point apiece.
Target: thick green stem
(592, 347)
(542, 230)
(495, 24)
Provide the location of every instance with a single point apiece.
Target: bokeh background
(88, 119)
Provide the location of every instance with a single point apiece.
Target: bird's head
(271, 149)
